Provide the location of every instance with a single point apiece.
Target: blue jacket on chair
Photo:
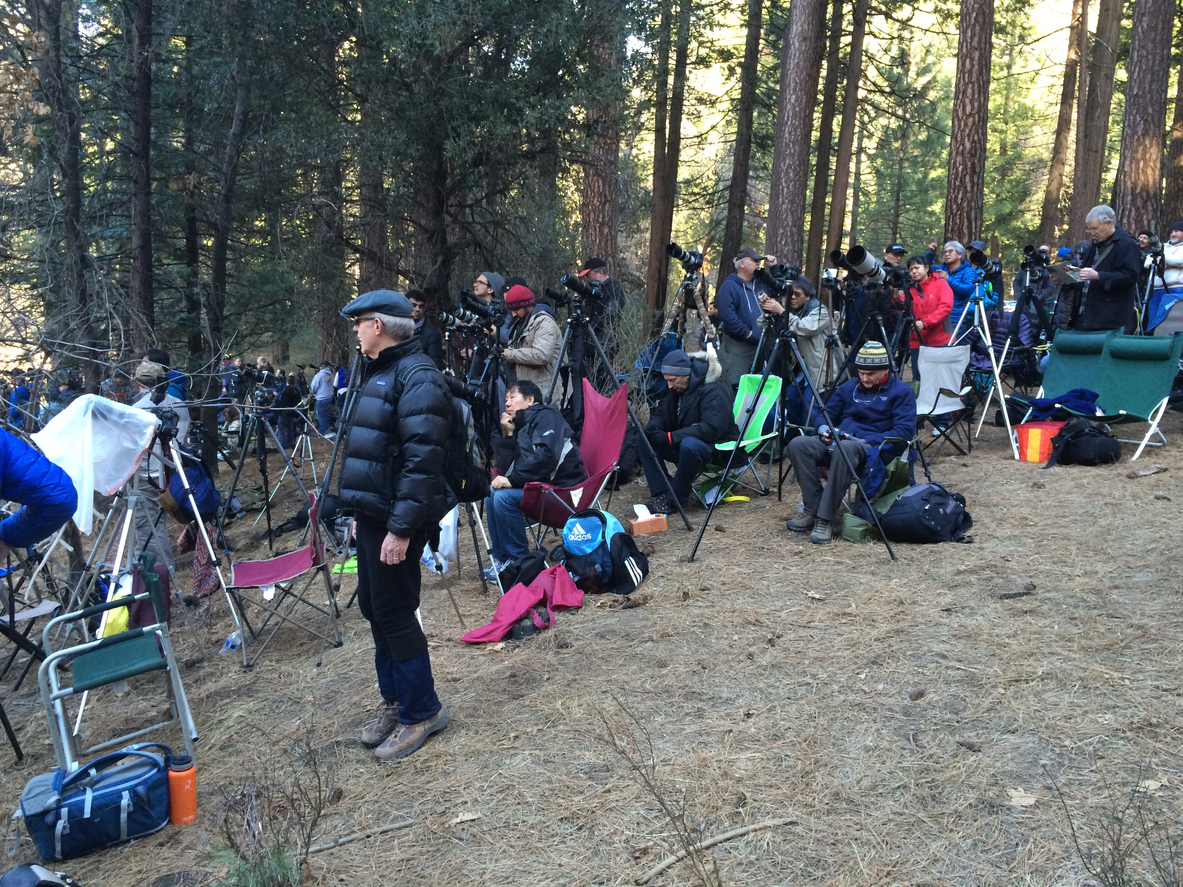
(45, 491)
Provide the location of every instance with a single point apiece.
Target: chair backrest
(746, 401)
(940, 367)
(1136, 372)
(604, 422)
(1073, 361)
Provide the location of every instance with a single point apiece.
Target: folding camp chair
(750, 399)
(31, 589)
(604, 423)
(942, 370)
(1073, 362)
(108, 660)
(1134, 381)
(277, 579)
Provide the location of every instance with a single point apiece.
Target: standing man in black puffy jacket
(693, 415)
(392, 480)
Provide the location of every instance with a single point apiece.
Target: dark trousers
(388, 596)
(690, 455)
(809, 455)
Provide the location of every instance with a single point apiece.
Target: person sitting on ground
(534, 340)
(865, 412)
(810, 321)
(693, 414)
(535, 443)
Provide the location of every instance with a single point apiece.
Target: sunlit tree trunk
(1173, 193)
(658, 267)
(141, 182)
(850, 103)
(825, 136)
(1092, 126)
(1049, 216)
(971, 107)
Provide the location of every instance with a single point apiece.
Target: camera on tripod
(170, 425)
(984, 263)
(691, 259)
(558, 298)
(779, 279)
(861, 262)
(460, 321)
(587, 289)
(1034, 259)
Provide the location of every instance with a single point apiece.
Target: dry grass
(762, 702)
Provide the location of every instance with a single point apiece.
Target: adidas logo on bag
(578, 534)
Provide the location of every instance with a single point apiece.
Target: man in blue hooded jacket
(738, 303)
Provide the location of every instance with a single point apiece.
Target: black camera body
(691, 259)
(170, 425)
(779, 279)
(586, 289)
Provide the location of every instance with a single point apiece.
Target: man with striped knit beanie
(864, 413)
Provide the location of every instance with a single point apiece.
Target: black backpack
(1081, 442)
(927, 513)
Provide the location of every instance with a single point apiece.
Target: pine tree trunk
(857, 189)
(967, 142)
(1092, 126)
(1139, 170)
(374, 268)
(600, 170)
(1049, 216)
(195, 338)
(141, 183)
(1173, 193)
(850, 105)
(741, 159)
(801, 60)
(825, 137)
(658, 269)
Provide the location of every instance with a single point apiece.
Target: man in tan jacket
(534, 340)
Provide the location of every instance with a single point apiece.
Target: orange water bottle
(182, 790)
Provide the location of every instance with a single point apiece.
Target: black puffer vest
(397, 444)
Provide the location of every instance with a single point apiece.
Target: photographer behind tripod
(865, 411)
(807, 318)
(534, 339)
(932, 302)
(150, 531)
(738, 301)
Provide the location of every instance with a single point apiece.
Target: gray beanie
(495, 280)
(676, 363)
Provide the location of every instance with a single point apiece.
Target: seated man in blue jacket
(864, 412)
(535, 444)
(693, 415)
(46, 494)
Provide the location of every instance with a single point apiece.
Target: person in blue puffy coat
(45, 492)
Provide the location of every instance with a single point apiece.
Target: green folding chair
(1074, 361)
(760, 403)
(1134, 381)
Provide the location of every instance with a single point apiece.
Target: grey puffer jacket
(397, 444)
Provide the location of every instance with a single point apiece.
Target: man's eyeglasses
(358, 321)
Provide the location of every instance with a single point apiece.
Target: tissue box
(655, 523)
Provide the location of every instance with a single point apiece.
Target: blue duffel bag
(119, 797)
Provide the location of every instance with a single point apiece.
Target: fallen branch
(357, 836)
(711, 842)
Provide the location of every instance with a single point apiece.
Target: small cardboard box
(653, 524)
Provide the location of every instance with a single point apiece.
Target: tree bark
(971, 108)
(850, 104)
(741, 156)
(1092, 126)
(374, 265)
(1049, 216)
(1139, 170)
(599, 208)
(857, 195)
(825, 137)
(196, 341)
(801, 59)
(141, 182)
(658, 269)
(1173, 193)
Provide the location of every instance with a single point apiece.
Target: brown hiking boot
(376, 732)
(407, 739)
(802, 524)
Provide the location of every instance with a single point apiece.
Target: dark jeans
(388, 596)
(324, 415)
(507, 525)
(287, 429)
(800, 407)
(809, 455)
(690, 456)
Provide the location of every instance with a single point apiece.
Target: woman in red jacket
(932, 300)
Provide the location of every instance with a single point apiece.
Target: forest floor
(948, 718)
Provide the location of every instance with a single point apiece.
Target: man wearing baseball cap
(738, 302)
(392, 482)
(603, 312)
(893, 254)
(865, 412)
(534, 340)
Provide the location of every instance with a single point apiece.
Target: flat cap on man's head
(389, 302)
(748, 252)
(676, 363)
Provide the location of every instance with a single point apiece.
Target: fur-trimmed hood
(714, 369)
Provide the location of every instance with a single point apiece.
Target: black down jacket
(397, 444)
(702, 411)
(541, 449)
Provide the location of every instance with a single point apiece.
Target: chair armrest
(86, 614)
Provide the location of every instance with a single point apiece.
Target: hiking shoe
(823, 532)
(407, 739)
(376, 732)
(802, 524)
(495, 569)
(659, 504)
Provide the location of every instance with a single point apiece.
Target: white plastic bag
(99, 443)
(447, 550)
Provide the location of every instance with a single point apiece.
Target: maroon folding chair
(283, 574)
(604, 422)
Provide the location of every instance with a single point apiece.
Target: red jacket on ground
(932, 300)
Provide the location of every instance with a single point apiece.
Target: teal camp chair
(97, 663)
(1134, 380)
(1074, 360)
(755, 441)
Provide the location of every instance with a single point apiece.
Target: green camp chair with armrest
(1134, 381)
(1074, 360)
(108, 660)
(761, 403)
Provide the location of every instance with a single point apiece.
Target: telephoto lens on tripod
(691, 259)
(578, 285)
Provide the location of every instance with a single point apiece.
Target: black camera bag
(927, 513)
(1081, 442)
